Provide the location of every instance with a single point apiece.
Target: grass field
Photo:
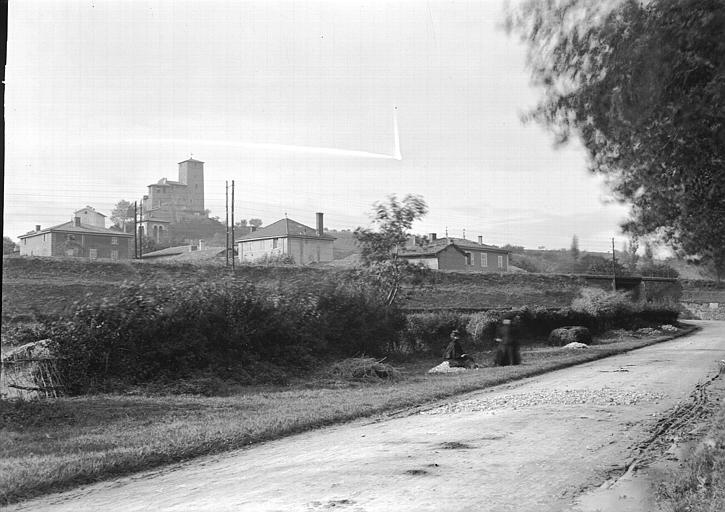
(53, 445)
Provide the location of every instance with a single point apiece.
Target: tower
(191, 174)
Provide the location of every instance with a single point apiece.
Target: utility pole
(614, 269)
(226, 197)
(135, 229)
(140, 240)
(233, 225)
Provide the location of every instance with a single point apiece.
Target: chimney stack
(480, 240)
(432, 237)
(37, 228)
(77, 221)
(320, 224)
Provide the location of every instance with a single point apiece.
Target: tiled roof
(70, 227)
(440, 244)
(284, 228)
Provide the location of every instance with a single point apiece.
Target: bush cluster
(430, 332)
(152, 332)
(596, 309)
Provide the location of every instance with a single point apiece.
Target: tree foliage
(642, 85)
(122, 214)
(8, 245)
(574, 249)
(379, 245)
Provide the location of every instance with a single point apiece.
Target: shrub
(430, 332)
(482, 326)
(150, 332)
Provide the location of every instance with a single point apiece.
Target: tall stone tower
(191, 174)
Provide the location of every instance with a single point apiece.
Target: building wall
(452, 259)
(95, 246)
(303, 250)
(310, 250)
(91, 217)
(192, 175)
(257, 249)
(37, 245)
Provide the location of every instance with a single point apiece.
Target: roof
(169, 251)
(91, 209)
(165, 182)
(191, 160)
(284, 228)
(70, 227)
(461, 244)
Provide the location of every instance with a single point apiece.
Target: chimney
(320, 225)
(77, 221)
(480, 240)
(37, 227)
(432, 237)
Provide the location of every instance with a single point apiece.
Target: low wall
(706, 310)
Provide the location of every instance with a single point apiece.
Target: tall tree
(8, 245)
(642, 85)
(122, 214)
(379, 245)
(255, 223)
(574, 249)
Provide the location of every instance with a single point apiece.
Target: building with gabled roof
(287, 238)
(79, 240)
(457, 254)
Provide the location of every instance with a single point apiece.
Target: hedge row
(153, 332)
(595, 309)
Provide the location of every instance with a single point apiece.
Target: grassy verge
(698, 485)
(48, 446)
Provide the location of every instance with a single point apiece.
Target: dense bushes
(151, 332)
(595, 309)
(430, 331)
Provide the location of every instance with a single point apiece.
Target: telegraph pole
(614, 269)
(233, 225)
(226, 198)
(135, 229)
(140, 240)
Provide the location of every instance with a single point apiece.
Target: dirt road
(534, 445)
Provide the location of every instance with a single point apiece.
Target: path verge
(56, 445)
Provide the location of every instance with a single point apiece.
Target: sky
(294, 101)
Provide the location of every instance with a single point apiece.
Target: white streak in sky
(293, 148)
(396, 135)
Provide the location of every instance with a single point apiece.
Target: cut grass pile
(53, 445)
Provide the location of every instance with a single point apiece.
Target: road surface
(533, 445)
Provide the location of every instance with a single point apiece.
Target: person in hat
(454, 349)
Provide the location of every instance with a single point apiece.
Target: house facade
(290, 238)
(458, 254)
(78, 240)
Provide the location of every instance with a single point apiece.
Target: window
(469, 260)
(274, 243)
(114, 240)
(93, 254)
(500, 262)
(114, 254)
(484, 259)
(70, 237)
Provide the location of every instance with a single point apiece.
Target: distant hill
(344, 245)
